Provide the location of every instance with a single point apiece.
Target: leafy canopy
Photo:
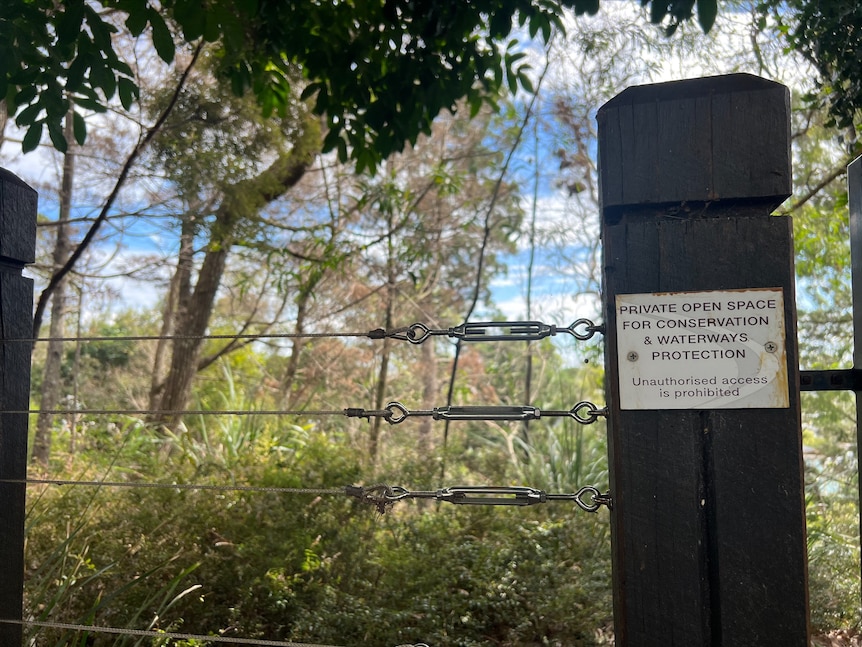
(379, 71)
(829, 34)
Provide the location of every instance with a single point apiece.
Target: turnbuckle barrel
(517, 330)
(490, 495)
(486, 413)
(382, 496)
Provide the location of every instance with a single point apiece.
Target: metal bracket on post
(844, 379)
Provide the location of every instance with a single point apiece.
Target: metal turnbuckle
(394, 413)
(417, 333)
(588, 498)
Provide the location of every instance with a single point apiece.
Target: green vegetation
(316, 568)
(260, 234)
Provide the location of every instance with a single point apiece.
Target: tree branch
(103, 214)
(825, 181)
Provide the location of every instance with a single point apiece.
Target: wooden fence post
(854, 198)
(17, 248)
(708, 520)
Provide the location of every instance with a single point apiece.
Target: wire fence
(378, 496)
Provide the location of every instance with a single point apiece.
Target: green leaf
(101, 76)
(100, 30)
(223, 22)
(58, 139)
(129, 92)
(136, 21)
(512, 79)
(77, 70)
(32, 138)
(28, 115)
(162, 39)
(90, 103)
(309, 91)
(706, 13)
(69, 22)
(191, 17)
(526, 83)
(658, 10)
(475, 101)
(500, 24)
(79, 127)
(24, 96)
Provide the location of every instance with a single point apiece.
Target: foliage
(822, 254)
(832, 491)
(829, 35)
(675, 12)
(361, 61)
(298, 566)
(510, 579)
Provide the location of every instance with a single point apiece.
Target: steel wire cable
(181, 412)
(416, 333)
(119, 338)
(394, 413)
(381, 496)
(176, 486)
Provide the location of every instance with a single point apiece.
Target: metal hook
(396, 413)
(590, 329)
(588, 506)
(593, 412)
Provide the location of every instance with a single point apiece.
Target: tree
(51, 382)
(380, 72)
(239, 165)
(829, 35)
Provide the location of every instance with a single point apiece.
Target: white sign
(702, 350)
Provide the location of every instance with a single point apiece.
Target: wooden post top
(720, 138)
(17, 220)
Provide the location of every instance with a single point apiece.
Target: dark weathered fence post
(854, 195)
(708, 523)
(17, 248)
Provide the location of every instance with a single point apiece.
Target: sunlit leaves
(829, 35)
(54, 57)
(672, 13)
(380, 71)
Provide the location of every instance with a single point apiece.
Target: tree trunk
(242, 201)
(4, 118)
(191, 327)
(52, 379)
(179, 292)
(287, 382)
